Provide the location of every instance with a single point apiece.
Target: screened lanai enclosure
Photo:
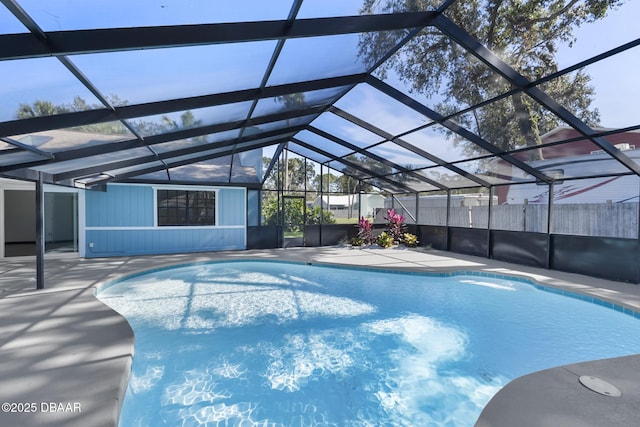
(503, 129)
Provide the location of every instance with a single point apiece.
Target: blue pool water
(282, 344)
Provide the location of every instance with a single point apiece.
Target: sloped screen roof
(410, 96)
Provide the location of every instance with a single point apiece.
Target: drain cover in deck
(600, 386)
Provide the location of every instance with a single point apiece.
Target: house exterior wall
(122, 221)
(371, 203)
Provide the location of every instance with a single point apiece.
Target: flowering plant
(365, 231)
(395, 225)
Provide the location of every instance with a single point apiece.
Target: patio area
(503, 134)
(66, 356)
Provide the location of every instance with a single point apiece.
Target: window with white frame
(186, 207)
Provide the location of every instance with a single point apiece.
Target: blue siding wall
(120, 206)
(148, 242)
(231, 206)
(119, 222)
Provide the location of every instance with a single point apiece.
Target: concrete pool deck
(65, 357)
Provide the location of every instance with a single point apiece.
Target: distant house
(576, 159)
(347, 205)
(580, 146)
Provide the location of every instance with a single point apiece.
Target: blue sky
(615, 79)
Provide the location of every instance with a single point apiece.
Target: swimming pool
(284, 344)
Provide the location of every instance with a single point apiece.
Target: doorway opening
(294, 213)
(60, 222)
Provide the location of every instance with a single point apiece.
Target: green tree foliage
(270, 181)
(270, 209)
(41, 108)
(329, 183)
(313, 216)
(291, 101)
(296, 174)
(369, 164)
(46, 108)
(187, 121)
(524, 33)
(348, 184)
(295, 213)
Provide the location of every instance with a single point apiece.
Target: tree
(524, 33)
(270, 209)
(289, 101)
(39, 108)
(166, 124)
(348, 184)
(294, 213)
(296, 174)
(351, 187)
(270, 181)
(329, 183)
(369, 164)
(187, 121)
(314, 216)
(296, 177)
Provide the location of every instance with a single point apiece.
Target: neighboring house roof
(624, 141)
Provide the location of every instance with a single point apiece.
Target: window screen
(182, 207)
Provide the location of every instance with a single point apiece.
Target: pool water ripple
(281, 344)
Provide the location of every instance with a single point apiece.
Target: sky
(615, 80)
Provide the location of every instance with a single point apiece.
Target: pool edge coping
(559, 289)
(74, 275)
(531, 278)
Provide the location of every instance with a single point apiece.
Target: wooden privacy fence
(601, 219)
(586, 219)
